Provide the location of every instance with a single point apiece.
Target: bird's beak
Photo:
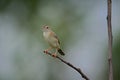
(42, 28)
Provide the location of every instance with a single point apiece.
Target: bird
(52, 39)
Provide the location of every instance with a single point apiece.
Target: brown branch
(70, 65)
(110, 39)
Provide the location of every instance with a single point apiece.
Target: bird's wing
(56, 37)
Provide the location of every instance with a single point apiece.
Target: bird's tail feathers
(61, 52)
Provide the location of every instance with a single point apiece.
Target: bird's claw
(45, 51)
(54, 55)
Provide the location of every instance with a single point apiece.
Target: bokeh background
(82, 29)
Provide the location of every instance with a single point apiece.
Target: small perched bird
(52, 40)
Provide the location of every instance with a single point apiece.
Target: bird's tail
(61, 52)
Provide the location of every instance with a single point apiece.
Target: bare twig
(110, 38)
(70, 65)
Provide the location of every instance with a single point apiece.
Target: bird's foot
(54, 55)
(46, 51)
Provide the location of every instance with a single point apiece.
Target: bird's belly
(53, 42)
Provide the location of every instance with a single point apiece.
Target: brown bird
(52, 40)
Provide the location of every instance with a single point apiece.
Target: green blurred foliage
(4, 4)
(116, 58)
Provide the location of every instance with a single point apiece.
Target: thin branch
(70, 65)
(110, 38)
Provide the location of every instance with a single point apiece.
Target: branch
(110, 39)
(70, 65)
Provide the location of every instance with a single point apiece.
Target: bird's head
(46, 28)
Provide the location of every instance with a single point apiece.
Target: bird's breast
(46, 35)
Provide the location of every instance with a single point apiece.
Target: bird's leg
(46, 51)
(55, 54)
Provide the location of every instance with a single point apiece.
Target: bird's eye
(47, 27)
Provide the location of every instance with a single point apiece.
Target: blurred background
(82, 29)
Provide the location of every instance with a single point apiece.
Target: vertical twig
(110, 38)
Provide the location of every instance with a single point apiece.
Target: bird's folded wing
(54, 35)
